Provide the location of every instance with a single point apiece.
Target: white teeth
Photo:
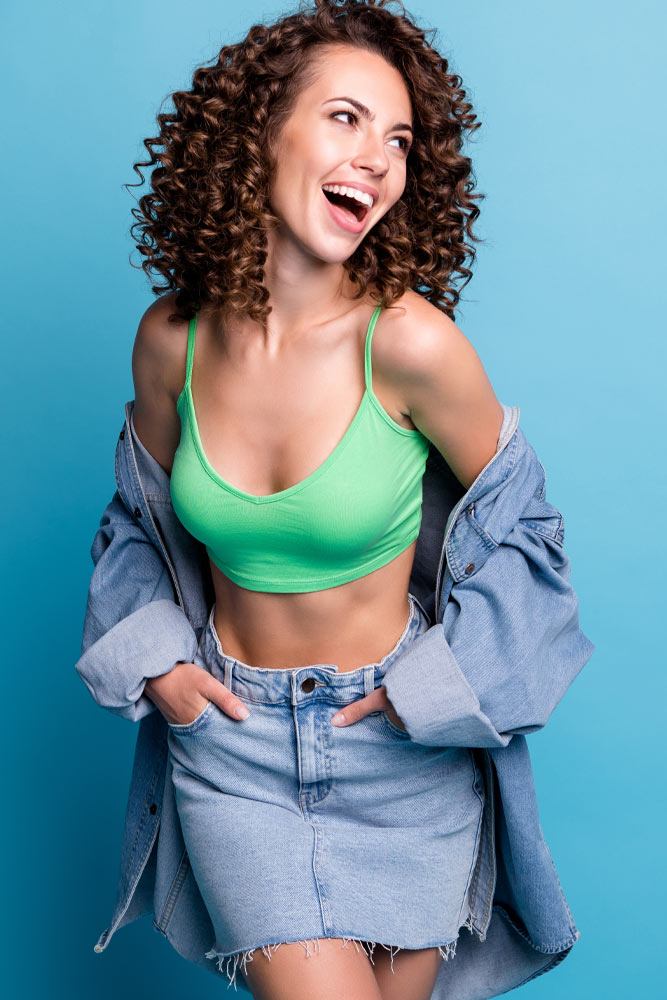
(360, 196)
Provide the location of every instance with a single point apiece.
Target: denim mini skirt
(298, 830)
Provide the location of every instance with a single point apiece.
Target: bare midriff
(351, 625)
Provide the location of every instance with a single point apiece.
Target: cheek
(296, 179)
(284, 196)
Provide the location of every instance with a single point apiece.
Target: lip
(342, 218)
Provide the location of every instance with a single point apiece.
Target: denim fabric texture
(325, 831)
(502, 647)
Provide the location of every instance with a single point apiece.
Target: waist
(350, 625)
(414, 621)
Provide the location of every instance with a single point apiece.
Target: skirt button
(308, 684)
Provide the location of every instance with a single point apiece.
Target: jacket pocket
(546, 520)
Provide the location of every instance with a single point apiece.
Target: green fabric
(357, 511)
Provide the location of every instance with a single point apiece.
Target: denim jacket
(503, 646)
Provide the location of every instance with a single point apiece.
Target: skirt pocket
(187, 728)
(394, 728)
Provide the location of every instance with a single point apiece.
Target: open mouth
(355, 209)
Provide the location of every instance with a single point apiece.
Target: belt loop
(228, 673)
(294, 686)
(369, 679)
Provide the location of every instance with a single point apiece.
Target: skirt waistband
(295, 684)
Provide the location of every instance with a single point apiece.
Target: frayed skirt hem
(229, 963)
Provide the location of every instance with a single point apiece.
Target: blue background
(566, 310)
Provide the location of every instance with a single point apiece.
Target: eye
(350, 113)
(406, 142)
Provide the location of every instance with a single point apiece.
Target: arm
(134, 627)
(508, 643)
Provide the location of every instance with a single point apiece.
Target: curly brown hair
(203, 226)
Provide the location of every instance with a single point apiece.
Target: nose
(372, 155)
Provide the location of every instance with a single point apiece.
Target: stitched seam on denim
(191, 727)
(328, 769)
(469, 890)
(573, 927)
(484, 534)
(145, 813)
(160, 498)
(473, 882)
(549, 949)
(343, 698)
(489, 811)
(454, 549)
(555, 536)
(319, 848)
(111, 930)
(556, 960)
(174, 891)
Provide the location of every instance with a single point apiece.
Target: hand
(184, 691)
(376, 701)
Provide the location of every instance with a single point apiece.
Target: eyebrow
(363, 110)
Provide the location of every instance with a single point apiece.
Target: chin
(331, 251)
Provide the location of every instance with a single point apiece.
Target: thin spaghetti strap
(192, 327)
(369, 338)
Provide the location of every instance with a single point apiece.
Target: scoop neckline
(367, 397)
(289, 490)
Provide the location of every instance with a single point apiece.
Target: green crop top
(357, 511)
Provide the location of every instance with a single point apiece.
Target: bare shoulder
(417, 337)
(158, 372)
(160, 348)
(443, 385)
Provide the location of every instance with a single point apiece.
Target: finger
(226, 701)
(356, 710)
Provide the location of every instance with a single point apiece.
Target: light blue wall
(566, 310)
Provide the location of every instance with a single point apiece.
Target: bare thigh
(414, 975)
(331, 971)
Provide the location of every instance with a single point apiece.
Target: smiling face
(351, 127)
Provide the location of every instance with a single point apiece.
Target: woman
(310, 213)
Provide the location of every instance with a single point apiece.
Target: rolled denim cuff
(146, 643)
(434, 700)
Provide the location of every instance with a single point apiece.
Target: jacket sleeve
(133, 626)
(509, 644)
